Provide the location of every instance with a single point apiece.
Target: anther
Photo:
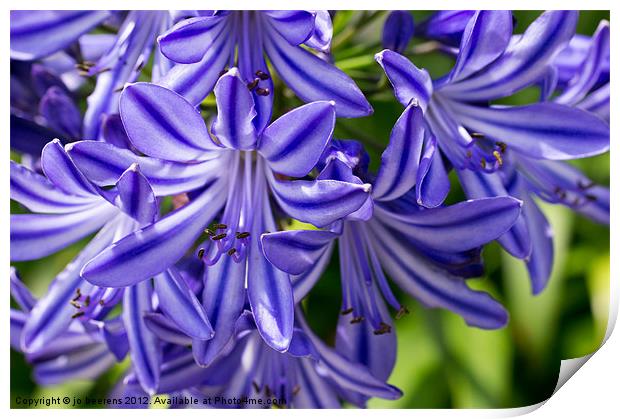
(201, 253)
(347, 311)
(590, 197)
(209, 232)
(78, 314)
(402, 311)
(242, 235)
(262, 91)
(296, 390)
(75, 304)
(262, 75)
(468, 154)
(232, 251)
(483, 163)
(101, 302)
(383, 329)
(218, 237)
(502, 146)
(78, 295)
(252, 85)
(256, 386)
(498, 157)
(220, 226)
(268, 392)
(224, 71)
(357, 319)
(87, 301)
(476, 135)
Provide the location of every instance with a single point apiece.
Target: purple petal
(162, 124)
(136, 196)
(319, 202)
(115, 337)
(43, 79)
(190, 39)
(302, 284)
(29, 137)
(485, 38)
(433, 286)
(515, 241)
(296, 251)
(524, 61)
(114, 133)
(294, 142)
(223, 298)
(542, 130)
(178, 303)
(87, 363)
(51, 316)
(409, 82)
(296, 26)
(446, 26)
(37, 33)
(313, 79)
(400, 160)
(149, 251)
(433, 184)
(195, 81)
(61, 113)
(104, 164)
(458, 227)
(322, 34)
(60, 169)
(596, 102)
(398, 30)
(20, 293)
(591, 69)
(38, 194)
(145, 349)
(165, 329)
(234, 127)
(269, 292)
(34, 236)
(540, 262)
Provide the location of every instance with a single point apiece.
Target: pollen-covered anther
(402, 311)
(201, 253)
(78, 314)
(75, 304)
(347, 311)
(262, 75)
(262, 91)
(502, 146)
(358, 319)
(383, 329)
(242, 235)
(87, 301)
(498, 157)
(220, 226)
(219, 237)
(209, 232)
(232, 251)
(476, 135)
(483, 163)
(252, 85)
(78, 295)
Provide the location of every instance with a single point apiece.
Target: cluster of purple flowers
(191, 269)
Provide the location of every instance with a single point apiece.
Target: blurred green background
(441, 363)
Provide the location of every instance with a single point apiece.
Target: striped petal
(178, 302)
(296, 26)
(190, 39)
(104, 164)
(296, 251)
(162, 124)
(62, 172)
(397, 30)
(409, 82)
(313, 79)
(401, 159)
(542, 130)
(136, 196)
(145, 348)
(37, 33)
(234, 127)
(294, 142)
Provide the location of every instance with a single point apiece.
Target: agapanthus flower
(205, 45)
(75, 354)
(479, 138)
(113, 59)
(427, 251)
(234, 170)
(309, 375)
(398, 30)
(67, 208)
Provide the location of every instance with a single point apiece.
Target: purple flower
(309, 375)
(205, 45)
(398, 30)
(427, 252)
(233, 173)
(487, 143)
(68, 207)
